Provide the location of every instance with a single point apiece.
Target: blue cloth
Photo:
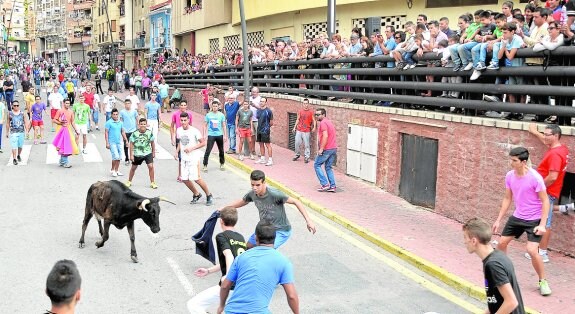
(232, 136)
(231, 112)
(114, 131)
(215, 121)
(203, 238)
(129, 118)
(152, 108)
(327, 158)
(116, 151)
(256, 274)
(264, 120)
(390, 44)
(281, 238)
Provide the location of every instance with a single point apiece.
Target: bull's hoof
(99, 244)
(81, 245)
(134, 259)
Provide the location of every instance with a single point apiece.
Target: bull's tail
(89, 201)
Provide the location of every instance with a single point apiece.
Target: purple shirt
(146, 82)
(37, 111)
(525, 191)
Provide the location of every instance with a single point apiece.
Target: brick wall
(472, 154)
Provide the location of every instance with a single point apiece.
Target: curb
(422, 264)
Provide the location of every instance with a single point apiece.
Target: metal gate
(418, 170)
(291, 124)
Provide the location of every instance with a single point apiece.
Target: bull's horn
(166, 200)
(143, 204)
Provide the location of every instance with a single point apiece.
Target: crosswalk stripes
(25, 155)
(52, 156)
(162, 153)
(91, 153)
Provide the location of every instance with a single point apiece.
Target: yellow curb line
(450, 279)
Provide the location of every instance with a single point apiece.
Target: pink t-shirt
(176, 118)
(324, 125)
(525, 190)
(205, 94)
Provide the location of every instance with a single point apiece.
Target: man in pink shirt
(205, 93)
(176, 123)
(526, 188)
(326, 153)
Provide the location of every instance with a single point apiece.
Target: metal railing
(358, 79)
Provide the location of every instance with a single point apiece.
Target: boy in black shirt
(501, 286)
(230, 244)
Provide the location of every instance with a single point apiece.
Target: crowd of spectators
(483, 41)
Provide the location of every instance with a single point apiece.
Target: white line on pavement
(181, 276)
(162, 153)
(92, 154)
(52, 156)
(93, 136)
(25, 154)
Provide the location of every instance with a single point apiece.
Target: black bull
(117, 205)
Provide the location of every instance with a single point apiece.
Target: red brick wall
(472, 159)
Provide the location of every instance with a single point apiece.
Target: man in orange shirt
(305, 124)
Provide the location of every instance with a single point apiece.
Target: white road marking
(181, 276)
(93, 136)
(25, 154)
(162, 153)
(92, 154)
(52, 156)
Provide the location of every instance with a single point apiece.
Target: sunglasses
(317, 114)
(15, 105)
(397, 37)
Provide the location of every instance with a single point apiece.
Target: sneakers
(468, 67)
(457, 67)
(544, 287)
(15, 162)
(205, 168)
(222, 167)
(295, 158)
(84, 151)
(407, 66)
(306, 160)
(491, 98)
(241, 157)
(331, 189)
(196, 198)
(67, 165)
(127, 162)
(493, 66)
(544, 256)
(261, 161)
(252, 157)
(114, 174)
(270, 162)
(476, 74)
(128, 183)
(153, 185)
(119, 174)
(323, 188)
(209, 200)
(480, 66)
(411, 66)
(231, 151)
(18, 158)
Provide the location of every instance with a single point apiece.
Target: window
(113, 23)
(457, 3)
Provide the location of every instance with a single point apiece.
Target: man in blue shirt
(265, 122)
(152, 110)
(114, 134)
(128, 117)
(231, 108)
(256, 273)
(215, 128)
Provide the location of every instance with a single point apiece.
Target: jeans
(220, 142)
(9, 99)
(108, 115)
(408, 57)
(299, 138)
(63, 160)
(327, 159)
(496, 48)
(465, 52)
(95, 117)
(116, 151)
(126, 146)
(479, 53)
(232, 136)
(454, 54)
(1, 128)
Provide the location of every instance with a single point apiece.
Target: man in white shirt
(255, 100)
(109, 103)
(134, 99)
(231, 93)
(97, 104)
(55, 100)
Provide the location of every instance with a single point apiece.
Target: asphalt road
(41, 211)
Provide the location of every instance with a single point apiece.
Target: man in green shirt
(142, 148)
(81, 116)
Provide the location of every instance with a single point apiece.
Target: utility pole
(245, 52)
(8, 30)
(330, 18)
(105, 7)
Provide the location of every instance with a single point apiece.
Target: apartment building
(106, 30)
(79, 21)
(18, 25)
(50, 36)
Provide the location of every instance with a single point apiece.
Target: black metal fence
(368, 80)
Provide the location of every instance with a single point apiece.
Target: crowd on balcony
(483, 41)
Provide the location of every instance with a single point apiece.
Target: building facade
(106, 30)
(18, 25)
(79, 21)
(206, 26)
(50, 38)
(160, 28)
(136, 22)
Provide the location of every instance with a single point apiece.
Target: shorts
(53, 113)
(254, 128)
(516, 227)
(37, 123)
(190, 170)
(206, 106)
(552, 201)
(139, 159)
(281, 237)
(263, 138)
(82, 129)
(16, 140)
(516, 80)
(245, 132)
(116, 151)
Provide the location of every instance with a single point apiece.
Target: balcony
(79, 37)
(82, 4)
(122, 7)
(139, 43)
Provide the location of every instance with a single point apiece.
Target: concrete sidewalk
(427, 240)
